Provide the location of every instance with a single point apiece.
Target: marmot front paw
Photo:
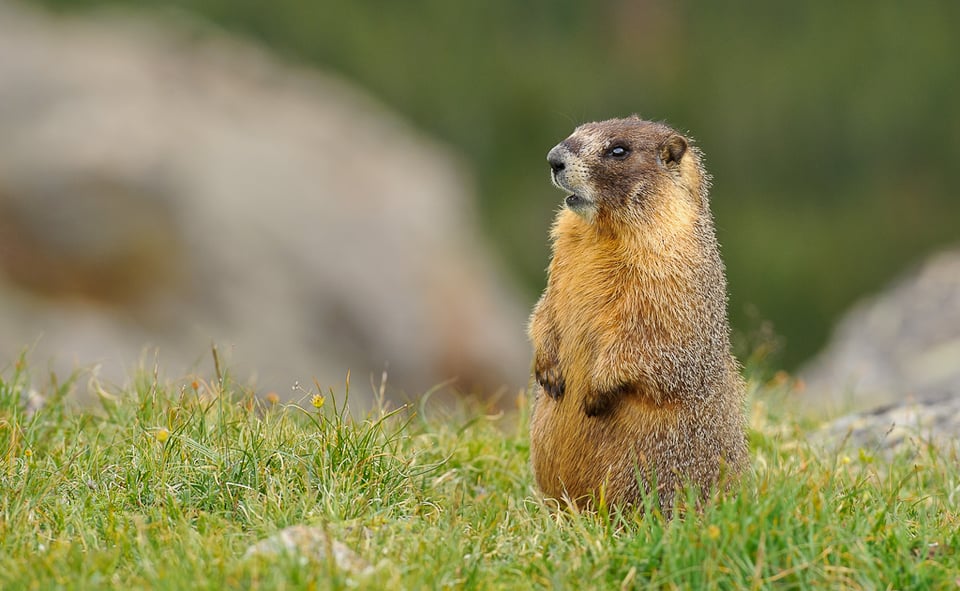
(600, 403)
(552, 382)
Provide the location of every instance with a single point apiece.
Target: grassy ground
(164, 486)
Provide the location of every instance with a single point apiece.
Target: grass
(164, 486)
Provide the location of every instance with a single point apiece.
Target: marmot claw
(552, 382)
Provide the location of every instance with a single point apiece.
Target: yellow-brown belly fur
(576, 456)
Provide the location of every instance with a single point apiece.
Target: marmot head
(622, 170)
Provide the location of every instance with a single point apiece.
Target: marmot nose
(556, 159)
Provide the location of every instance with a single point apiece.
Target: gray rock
(162, 188)
(309, 544)
(901, 345)
(890, 428)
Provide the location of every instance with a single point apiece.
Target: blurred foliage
(832, 129)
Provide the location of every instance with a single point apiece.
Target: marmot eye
(618, 152)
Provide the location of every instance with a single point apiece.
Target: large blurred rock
(902, 345)
(164, 188)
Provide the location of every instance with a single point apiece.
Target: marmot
(636, 383)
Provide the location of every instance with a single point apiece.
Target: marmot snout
(635, 380)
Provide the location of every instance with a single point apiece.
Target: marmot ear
(672, 150)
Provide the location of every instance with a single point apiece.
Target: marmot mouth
(575, 201)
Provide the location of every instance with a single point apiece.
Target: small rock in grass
(310, 543)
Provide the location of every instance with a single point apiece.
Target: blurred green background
(832, 130)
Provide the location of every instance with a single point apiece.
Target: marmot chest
(598, 299)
